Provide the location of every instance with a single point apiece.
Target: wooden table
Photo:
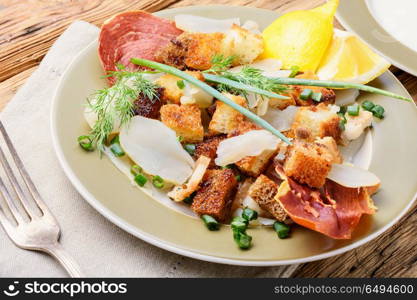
(28, 29)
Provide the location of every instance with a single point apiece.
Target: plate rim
(342, 17)
(153, 240)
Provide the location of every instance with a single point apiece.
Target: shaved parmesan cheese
(345, 97)
(252, 143)
(355, 125)
(281, 119)
(155, 148)
(180, 192)
(262, 107)
(199, 24)
(353, 177)
(195, 95)
(250, 203)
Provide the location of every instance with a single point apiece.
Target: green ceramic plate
(109, 191)
(356, 16)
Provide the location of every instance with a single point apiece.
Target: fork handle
(65, 259)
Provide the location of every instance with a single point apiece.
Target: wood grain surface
(29, 28)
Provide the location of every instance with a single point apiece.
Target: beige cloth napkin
(101, 248)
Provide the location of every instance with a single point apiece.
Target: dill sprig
(220, 64)
(115, 103)
(247, 75)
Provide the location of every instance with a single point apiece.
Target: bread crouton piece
(244, 127)
(331, 146)
(328, 96)
(208, 148)
(225, 118)
(263, 191)
(185, 120)
(308, 163)
(196, 50)
(192, 50)
(244, 45)
(255, 165)
(282, 103)
(148, 108)
(172, 93)
(316, 122)
(252, 165)
(214, 197)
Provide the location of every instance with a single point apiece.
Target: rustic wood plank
(9, 87)
(391, 255)
(27, 30)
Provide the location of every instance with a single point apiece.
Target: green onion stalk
(337, 85)
(212, 91)
(242, 86)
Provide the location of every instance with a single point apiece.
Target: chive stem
(215, 93)
(242, 86)
(338, 84)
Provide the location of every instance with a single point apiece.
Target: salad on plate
(222, 120)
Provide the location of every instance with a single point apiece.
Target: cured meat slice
(133, 34)
(336, 213)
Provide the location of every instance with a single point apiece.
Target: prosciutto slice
(335, 213)
(133, 34)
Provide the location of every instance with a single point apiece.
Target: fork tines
(20, 196)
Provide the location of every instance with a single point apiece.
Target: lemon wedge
(300, 38)
(349, 59)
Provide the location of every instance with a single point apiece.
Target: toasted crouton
(263, 191)
(316, 122)
(252, 165)
(244, 45)
(243, 127)
(185, 120)
(331, 146)
(196, 50)
(308, 163)
(328, 96)
(208, 148)
(149, 108)
(214, 196)
(172, 93)
(192, 50)
(255, 165)
(226, 119)
(282, 103)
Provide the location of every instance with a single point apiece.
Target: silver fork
(39, 232)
